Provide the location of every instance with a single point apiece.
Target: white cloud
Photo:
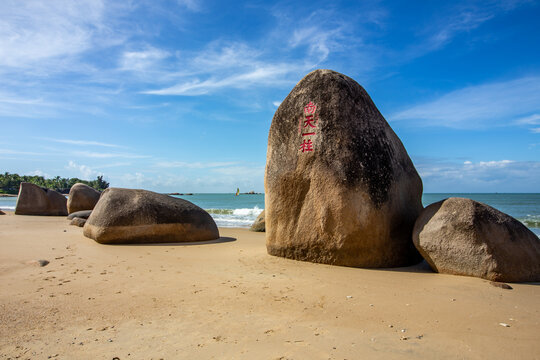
(461, 17)
(533, 119)
(536, 130)
(193, 5)
(195, 165)
(260, 75)
(478, 106)
(483, 176)
(142, 60)
(39, 173)
(16, 152)
(31, 31)
(276, 103)
(85, 171)
(100, 155)
(83, 142)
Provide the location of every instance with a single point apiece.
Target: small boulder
(77, 221)
(83, 214)
(125, 216)
(82, 197)
(464, 237)
(340, 187)
(2, 213)
(258, 224)
(35, 200)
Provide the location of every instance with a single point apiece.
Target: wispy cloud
(193, 165)
(193, 5)
(83, 142)
(460, 18)
(32, 32)
(482, 176)
(261, 76)
(16, 152)
(533, 119)
(85, 171)
(99, 155)
(141, 61)
(479, 106)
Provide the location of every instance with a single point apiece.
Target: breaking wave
(235, 217)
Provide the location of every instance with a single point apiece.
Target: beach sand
(230, 300)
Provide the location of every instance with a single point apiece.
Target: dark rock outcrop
(464, 237)
(340, 187)
(138, 216)
(82, 197)
(34, 200)
(259, 223)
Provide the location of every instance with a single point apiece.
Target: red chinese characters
(307, 126)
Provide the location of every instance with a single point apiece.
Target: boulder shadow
(420, 268)
(222, 239)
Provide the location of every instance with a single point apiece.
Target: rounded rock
(125, 216)
(465, 237)
(82, 197)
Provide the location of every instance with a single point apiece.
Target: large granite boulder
(138, 216)
(82, 197)
(259, 223)
(340, 187)
(35, 200)
(464, 237)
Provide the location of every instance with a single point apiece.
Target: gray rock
(40, 263)
(77, 221)
(138, 216)
(34, 200)
(340, 187)
(82, 197)
(83, 214)
(259, 223)
(464, 237)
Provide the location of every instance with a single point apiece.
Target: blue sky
(179, 95)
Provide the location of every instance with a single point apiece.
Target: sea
(240, 211)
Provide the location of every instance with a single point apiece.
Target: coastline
(230, 299)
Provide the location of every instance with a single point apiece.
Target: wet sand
(228, 299)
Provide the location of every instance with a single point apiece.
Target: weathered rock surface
(34, 200)
(82, 197)
(77, 221)
(340, 187)
(259, 223)
(464, 237)
(138, 216)
(83, 214)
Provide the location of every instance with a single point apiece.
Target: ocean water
(229, 210)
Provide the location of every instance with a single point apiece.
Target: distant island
(9, 183)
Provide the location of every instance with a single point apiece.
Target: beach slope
(229, 299)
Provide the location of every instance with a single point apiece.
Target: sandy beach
(229, 299)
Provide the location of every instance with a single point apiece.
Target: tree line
(9, 183)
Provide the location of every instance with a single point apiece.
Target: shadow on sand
(222, 239)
